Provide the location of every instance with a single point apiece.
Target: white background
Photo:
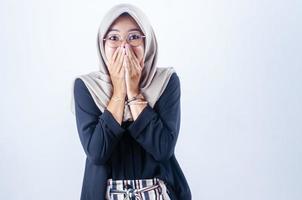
(239, 63)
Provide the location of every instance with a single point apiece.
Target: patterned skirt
(142, 189)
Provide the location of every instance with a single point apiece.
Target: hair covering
(153, 79)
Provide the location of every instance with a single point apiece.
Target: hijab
(153, 79)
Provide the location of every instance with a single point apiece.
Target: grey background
(239, 63)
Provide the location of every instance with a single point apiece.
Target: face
(124, 25)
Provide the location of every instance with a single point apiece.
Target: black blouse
(140, 149)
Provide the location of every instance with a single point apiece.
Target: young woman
(128, 115)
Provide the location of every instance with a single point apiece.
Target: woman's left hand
(133, 70)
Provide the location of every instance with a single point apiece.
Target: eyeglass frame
(142, 36)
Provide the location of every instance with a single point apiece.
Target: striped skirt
(143, 189)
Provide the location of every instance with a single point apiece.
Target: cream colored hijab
(153, 79)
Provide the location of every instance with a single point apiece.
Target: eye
(134, 37)
(113, 37)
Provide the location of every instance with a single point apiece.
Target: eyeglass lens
(115, 40)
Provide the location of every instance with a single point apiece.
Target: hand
(133, 71)
(117, 72)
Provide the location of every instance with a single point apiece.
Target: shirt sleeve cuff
(111, 123)
(141, 121)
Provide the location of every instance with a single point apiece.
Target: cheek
(139, 52)
(109, 52)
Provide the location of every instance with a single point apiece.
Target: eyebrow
(133, 29)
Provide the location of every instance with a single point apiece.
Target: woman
(128, 115)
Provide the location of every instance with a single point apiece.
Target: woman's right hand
(117, 72)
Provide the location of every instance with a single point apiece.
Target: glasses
(133, 39)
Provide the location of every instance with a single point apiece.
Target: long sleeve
(156, 130)
(99, 132)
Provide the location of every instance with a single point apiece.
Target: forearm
(136, 109)
(99, 132)
(157, 130)
(116, 106)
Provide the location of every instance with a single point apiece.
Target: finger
(113, 57)
(131, 52)
(130, 61)
(141, 64)
(119, 60)
(120, 53)
(134, 63)
(134, 58)
(128, 64)
(123, 69)
(115, 54)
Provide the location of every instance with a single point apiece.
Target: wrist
(118, 97)
(132, 94)
(119, 94)
(137, 102)
(139, 97)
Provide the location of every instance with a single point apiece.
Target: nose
(123, 44)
